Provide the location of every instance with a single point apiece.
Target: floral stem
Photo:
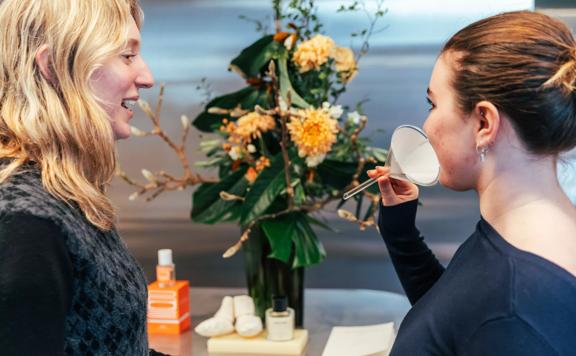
(289, 188)
(356, 134)
(373, 20)
(284, 139)
(278, 15)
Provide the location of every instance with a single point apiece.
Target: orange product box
(168, 308)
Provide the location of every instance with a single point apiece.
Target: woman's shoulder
(21, 227)
(505, 278)
(547, 242)
(542, 292)
(23, 194)
(542, 300)
(539, 282)
(24, 182)
(513, 289)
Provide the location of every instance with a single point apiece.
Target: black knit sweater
(65, 286)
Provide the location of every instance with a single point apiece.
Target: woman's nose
(425, 127)
(145, 78)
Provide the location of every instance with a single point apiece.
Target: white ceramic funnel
(410, 158)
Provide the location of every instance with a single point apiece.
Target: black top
(492, 299)
(35, 286)
(36, 280)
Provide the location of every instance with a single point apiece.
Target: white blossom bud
(185, 122)
(218, 111)
(345, 214)
(145, 107)
(136, 131)
(232, 250)
(149, 176)
(229, 197)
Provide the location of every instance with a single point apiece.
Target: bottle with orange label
(165, 270)
(168, 299)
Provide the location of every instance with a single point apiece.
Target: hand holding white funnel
(410, 158)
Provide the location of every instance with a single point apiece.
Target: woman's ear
(42, 59)
(489, 119)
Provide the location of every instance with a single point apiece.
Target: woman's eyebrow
(133, 42)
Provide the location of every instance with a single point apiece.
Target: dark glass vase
(268, 277)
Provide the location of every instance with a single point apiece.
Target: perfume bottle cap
(165, 257)
(279, 303)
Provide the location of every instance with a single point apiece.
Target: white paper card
(373, 340)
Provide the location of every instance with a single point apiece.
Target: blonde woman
(502, 108)
(69, 72)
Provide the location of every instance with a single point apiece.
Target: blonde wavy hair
(58, 122)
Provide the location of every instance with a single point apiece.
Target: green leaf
(209, 145)
(336, 174)
(208, 208)
(266, 188)
(321, 224)
(363, 177)
(252, 59)
(286, 85)
(279, 234)
(246, 98)
(291, 235)
(299, 194)
(379, 153)
(308, 249)
(211, 163)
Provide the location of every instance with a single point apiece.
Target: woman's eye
(432, 106)
(129, 57)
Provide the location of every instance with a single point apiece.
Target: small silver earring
(482, 151)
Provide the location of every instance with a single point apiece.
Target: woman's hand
(393, 191)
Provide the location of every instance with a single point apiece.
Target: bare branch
(161, 182)
(159, 104)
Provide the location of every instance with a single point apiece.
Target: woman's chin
(454, 184)
(122, 132)
(121, 136)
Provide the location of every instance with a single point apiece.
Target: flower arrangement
(286, 149)
(283, 146)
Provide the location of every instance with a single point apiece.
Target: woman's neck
(514, 185)
(524, 202)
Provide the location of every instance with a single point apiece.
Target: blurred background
(185, 41)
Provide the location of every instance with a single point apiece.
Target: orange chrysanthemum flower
(251, 126)
(313, 53)
(345, 63)
(313, 132)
